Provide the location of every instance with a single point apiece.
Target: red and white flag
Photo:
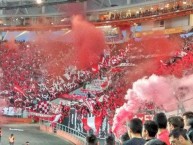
(88, 103)
(92, 123)
(57, 118)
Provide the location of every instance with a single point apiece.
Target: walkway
(30, 133)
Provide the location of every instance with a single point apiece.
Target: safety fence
(61, 130)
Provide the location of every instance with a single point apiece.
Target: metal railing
(61, 127)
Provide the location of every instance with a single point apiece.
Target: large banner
(31, 113)
(37, 116)
(127, 64)
(11, 111)
(98, 85)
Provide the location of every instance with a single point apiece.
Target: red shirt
(164, 136)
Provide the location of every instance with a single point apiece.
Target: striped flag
(92, 123)
(88, 103)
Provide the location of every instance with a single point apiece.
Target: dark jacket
(190, 134)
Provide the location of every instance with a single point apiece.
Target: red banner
(37, 116)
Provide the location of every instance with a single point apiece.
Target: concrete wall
(177, 22)
(169, 23)
(62, 134)
(13, 120)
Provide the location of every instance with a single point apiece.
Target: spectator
(27, 143)
(11, 139)
(163, 133)
(135, 130)
(155, 142)
(175, 122)
(188, 121)
(150, 130)
(110, 140)
(125, 137)
(178, 137)
(92, 140)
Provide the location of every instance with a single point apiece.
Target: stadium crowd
(27, 86)
(26, 83)
(174, 130)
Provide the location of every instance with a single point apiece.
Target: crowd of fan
(112, 97)
(175, 130)
(115, 92)
(21, 71)
(25, 81)
(179, 64)
(23, 78)
(125, 14)
(104, 102)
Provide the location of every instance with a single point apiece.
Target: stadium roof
(9, 4)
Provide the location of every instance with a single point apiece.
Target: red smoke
(163, 91)
(160, 45)
(89, 42)
(148, 52)
(82, 46)
(178, 68)
(151, 50)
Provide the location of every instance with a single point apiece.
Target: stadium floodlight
(38, 1)
(184, 2)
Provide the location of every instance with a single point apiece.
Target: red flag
(95, 68)
(17, 88)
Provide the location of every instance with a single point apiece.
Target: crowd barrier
(63, 131)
